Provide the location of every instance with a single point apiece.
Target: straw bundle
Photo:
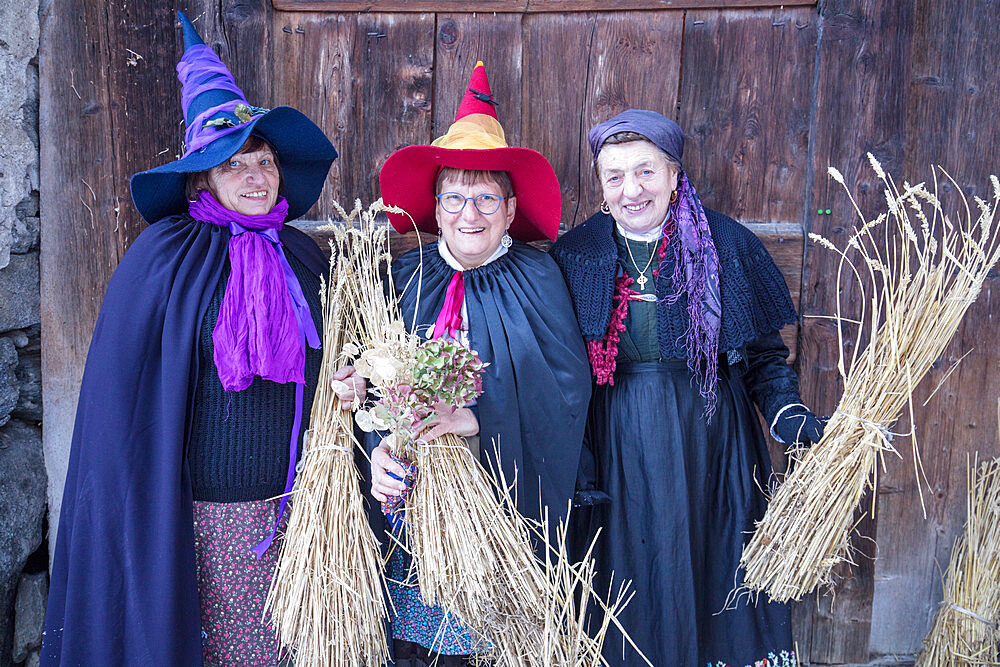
(326, 598)
(921, 277)
(473, 554)
(966, 629)
(471, 549)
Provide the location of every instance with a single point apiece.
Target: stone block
(20, 304)
(29, 614)
(8, 379)
(22, 508)
(29, 383)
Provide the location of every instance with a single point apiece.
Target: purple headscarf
(696, 262)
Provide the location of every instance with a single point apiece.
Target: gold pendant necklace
(642, 279)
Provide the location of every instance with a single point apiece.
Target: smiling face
(471, 236)
(637, 181)
(247, 182)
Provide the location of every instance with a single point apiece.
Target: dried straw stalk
(966, 629)
(923, 275)
(326, 599)
(473, 554)
(471, 548)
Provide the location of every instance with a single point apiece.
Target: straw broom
(471, 549)
(922, 276)
(965, 629)
(326, 599)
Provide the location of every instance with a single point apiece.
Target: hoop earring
(673, 196)
(506, 241)
(605, 209)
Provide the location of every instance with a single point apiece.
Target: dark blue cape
(124, 589)
(536, 388)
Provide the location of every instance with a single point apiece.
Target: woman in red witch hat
(485, 287)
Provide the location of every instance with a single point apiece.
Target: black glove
(798, 426)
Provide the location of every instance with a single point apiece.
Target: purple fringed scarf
(696, 262)
(696, 274)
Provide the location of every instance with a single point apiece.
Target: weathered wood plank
(784, 241)
(629, 60)
(745, 104)
(533, 6)
(863, 54)
(634, 61)
(108, 107)
(78, 250)
(615, 5)
(462, 39)
(393, 97)
(553, 94)
(951, 82)
(316, 74)
(366, 81)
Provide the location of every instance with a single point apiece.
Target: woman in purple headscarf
(196, 394)
(681, 308)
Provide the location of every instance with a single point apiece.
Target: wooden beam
(863, 54)
(521, 6)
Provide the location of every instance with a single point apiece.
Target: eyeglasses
(486, 203)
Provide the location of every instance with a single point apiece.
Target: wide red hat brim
(408, 176)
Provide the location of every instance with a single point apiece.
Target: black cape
(123, 588)
(536, 388)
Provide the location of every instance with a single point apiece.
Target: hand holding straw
(921, 273)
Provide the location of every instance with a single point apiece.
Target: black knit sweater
(238, 449)
(755, 301)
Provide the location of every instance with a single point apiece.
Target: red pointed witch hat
(474, 141)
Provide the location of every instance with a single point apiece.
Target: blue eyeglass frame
(475, 201)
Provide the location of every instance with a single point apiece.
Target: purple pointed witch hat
(219, 120)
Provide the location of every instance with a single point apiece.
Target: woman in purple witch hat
(196, 393)
(681, 308)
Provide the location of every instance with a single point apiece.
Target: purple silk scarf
(264, 320)
(696, 261)
(264, 316)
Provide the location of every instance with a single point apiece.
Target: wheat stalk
(966, 629)
(921, 277)
(326, 599)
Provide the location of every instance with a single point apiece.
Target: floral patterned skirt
(233, 584)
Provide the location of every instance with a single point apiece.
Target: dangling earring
(673, 196)
(506, 241)
(605, 209)
(439, 232)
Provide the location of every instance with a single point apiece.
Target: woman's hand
(383, 483)
(448, 419)
(349, 386)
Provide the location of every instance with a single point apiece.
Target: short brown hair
(501, 179)
(630, 137)
(198, 180)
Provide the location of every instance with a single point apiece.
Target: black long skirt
(684, 498)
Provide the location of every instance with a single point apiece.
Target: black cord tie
(482, 97)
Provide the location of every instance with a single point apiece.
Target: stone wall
(23, 554)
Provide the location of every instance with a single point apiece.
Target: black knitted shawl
(755, 299)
